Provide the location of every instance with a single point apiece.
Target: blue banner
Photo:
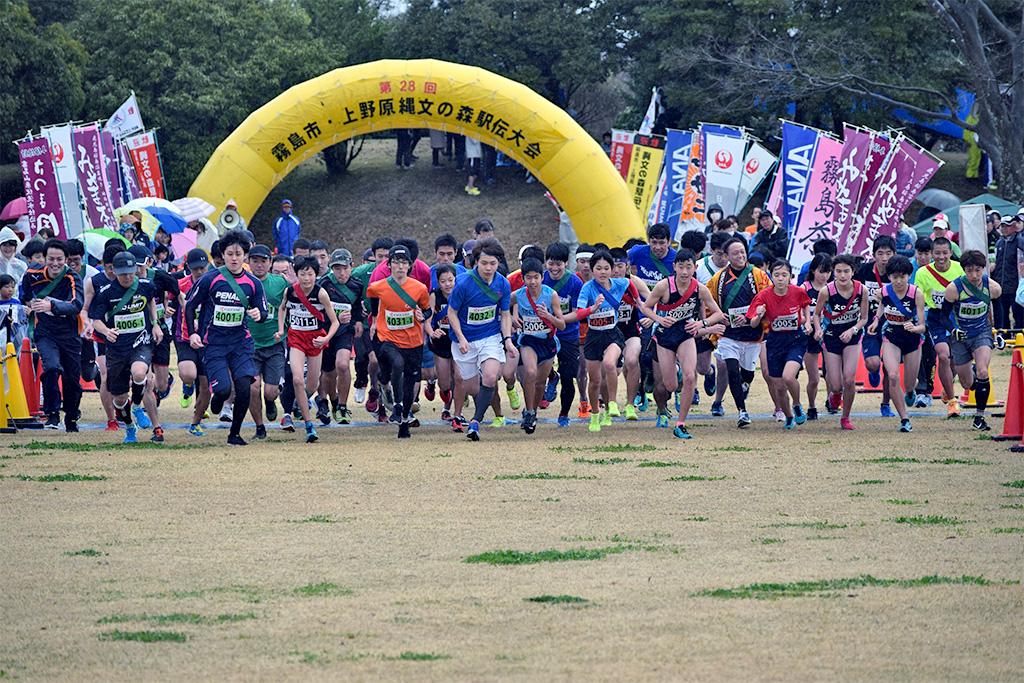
(795, 164)
(677, 165)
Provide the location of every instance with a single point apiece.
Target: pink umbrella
(14, 209)
(182, 242)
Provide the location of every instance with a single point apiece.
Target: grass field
(626, 555)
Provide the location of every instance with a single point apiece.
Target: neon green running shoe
(630, 412)
(606, 419)
(498, 421)
(613, 409)
(595, 422)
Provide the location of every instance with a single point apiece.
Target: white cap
(940, 223)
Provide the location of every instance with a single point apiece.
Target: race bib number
(130, 322)
(846, 317)
(228, 316)
(973, 311)
(398, 320)
(160, 312)
(939, 298)
(443, 323)
(534, 326)
(602, 320)
(738, 317)
(341, 309)
(481, 315)
(785, 323)
(565, 302)
(625, 312)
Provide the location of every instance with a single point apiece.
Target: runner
(567, 285)
(583, 255)
(190, 360)
(223, 297)
(708, 364)
(439, 338)
(599, 303)
(346, 296)
(819, 272)
(124, 312)
(632, 324)
(933, 280)
(92, 285)
(678, 304)
(539, 310)
(733, 289)
(269, 352)
(786, 311)
(282, 265)
(165, 286)
(481, 322)
(873, 275)
(398, 306)
(311, 325)
(900, 316)
(366, 359)
(446, 248)
(970, 297)
(839, 316)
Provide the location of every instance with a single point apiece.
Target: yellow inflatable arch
(423, 93)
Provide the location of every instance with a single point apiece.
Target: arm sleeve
(196, 295)
(260, 297)
(167, 283)
(73, 306)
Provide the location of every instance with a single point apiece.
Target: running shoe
(696, 398)
(446, 415)
(158, 435)
(430, 391)
(161, 395)
(225, 413)
(287, 423)
(323, 411)
(910, 398)
(551, 388)
(372, 402)
(980, 424)
(261, 432)
(141, 419)
(874, 378)
(595, 422)
(923, 400)
(834, 402)
(744, 420)
(236, 440)
(513, 398)
(710, 383)
(196, 430)
(717, 410)
(613, 409)
(779, 415)
(415, 407)
(382, 414)
(396, 415)
(790, 423)
(336, 412)
(458, 424)
(798, 414)
(544, 404)
(70, 426)
(680, 432)
(498, 421)
(952, 409)
(112, 426)
(812, 414)
(403, 431)
(563, 420)
(131, 434)
(630, 412)
(473, 431)
(270, 408)
(529, 424)
(606, 419)
(412, 421)
(886, 410)
(187, 393)
(844, 423)
(344, 416)
(905, 425)
(662, 421)
(472, 191)
(311, 436)
(360, 394)
(584, 412)
(52, 422)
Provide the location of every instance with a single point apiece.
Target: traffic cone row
(15, 403)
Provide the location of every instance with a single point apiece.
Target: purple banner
(89, 166)
(850, 180)
(42, 195)
(924, 169)
(878, 156)
(131, 187)
(819, 205)
(111, 172)
(881, 214)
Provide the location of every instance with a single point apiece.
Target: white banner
(756, 166)
(647, 125)
(126, 120)
(62, 151)
(723, 171)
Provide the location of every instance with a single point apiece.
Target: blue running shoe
(551, 388)
(131, 434)
(196, 430)
(311, 435)
(141, 419)
(798, 414)
(874, 378)
(473, 431)
(696, 398)
(717, 410)
(563, 420)
(790, 423)
(886, 411)
(641, 401)
(680, 432)
(161, 395)
(662, 421)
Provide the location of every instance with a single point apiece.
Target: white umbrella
(194, 208)
(146, 202)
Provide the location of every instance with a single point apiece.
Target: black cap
(400, 252)
(260, 251)
(141, 252)
(124, 263)
(197, 258)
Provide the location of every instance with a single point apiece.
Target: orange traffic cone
(862, 381)
(1013, 423)
(88, 386)
(28, 377)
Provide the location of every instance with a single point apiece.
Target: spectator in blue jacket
(287, 229)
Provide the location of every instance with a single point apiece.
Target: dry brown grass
(329, 562)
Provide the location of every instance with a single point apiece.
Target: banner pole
(160, 160)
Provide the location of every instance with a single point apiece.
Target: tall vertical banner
(798, 145)
(691, 213)
(773, 202)
(757, 164)
(62, 153)
(622, 150)
(129, 181)
(142, 149)
(42, 194)
(677, 166)
(925, 167)
(881, 212)
(90, 168)
(851, 180)
(723, 170)
(819, 201)
(651, 117)
(111, 169)
(705, 129)
(655, 207)
(644, 169)
(878, 157)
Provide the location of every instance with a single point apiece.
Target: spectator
(755, 213)
(403, 149)
(437, 142)
(822, 246)
(206, 234)
(606, 142)
(13, 315)
(10, 264)
(770, 240)
(1006, 271)
(940, 228)
(905, 240)
(473, 157)
(713, 215)
(287, 229)
(162, 238)
(992, 219)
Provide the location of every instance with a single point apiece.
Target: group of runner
(251, 330)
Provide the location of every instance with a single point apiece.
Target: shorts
(568, 358)
(545, 347)
(629, 330)
(119, 367)
(937, 331)
(746, 352)
(598, 341)
(479, 351)
(833, 344)
(412, 360)
(704, 345)
(224, 362)
(963, 351)
(906, 343)
(813, 346)
(303, 341)
(671, 337)
(270, 362)
(342, 340)
(441, 348)
(185, 352)
(781, 348)
(162, 351)
(872, 344)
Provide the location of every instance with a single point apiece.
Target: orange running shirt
(396, 321)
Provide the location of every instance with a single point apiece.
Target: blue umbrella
(169, 221)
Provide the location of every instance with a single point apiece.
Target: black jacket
(66, 299)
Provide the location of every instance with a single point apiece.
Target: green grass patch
(557, 599)
(768, 591)
(1018, 484)
(869, 482)
(890, 460)
(695, 477)
(176, 618)
(733, 449)
(857, 494)
(441, 455)
(94, 447)
(929, 520)
(1013, 506)
(983, 437)
(145, 636)
(247, 593)
(665, 463)
(502, 557)
(806, 525)
(87, 552)
(552, 500)
(609, 448)
(959, 461)
(905, 501)
(601, 461)
(768, 541)
(408, 656)
(1009, 530)
(67, 476)
(695, 518)
(314, 519)
(539, 475)
(321, 590)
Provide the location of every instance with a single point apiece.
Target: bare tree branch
(993, 21)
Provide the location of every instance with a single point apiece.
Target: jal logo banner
(723, 176)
